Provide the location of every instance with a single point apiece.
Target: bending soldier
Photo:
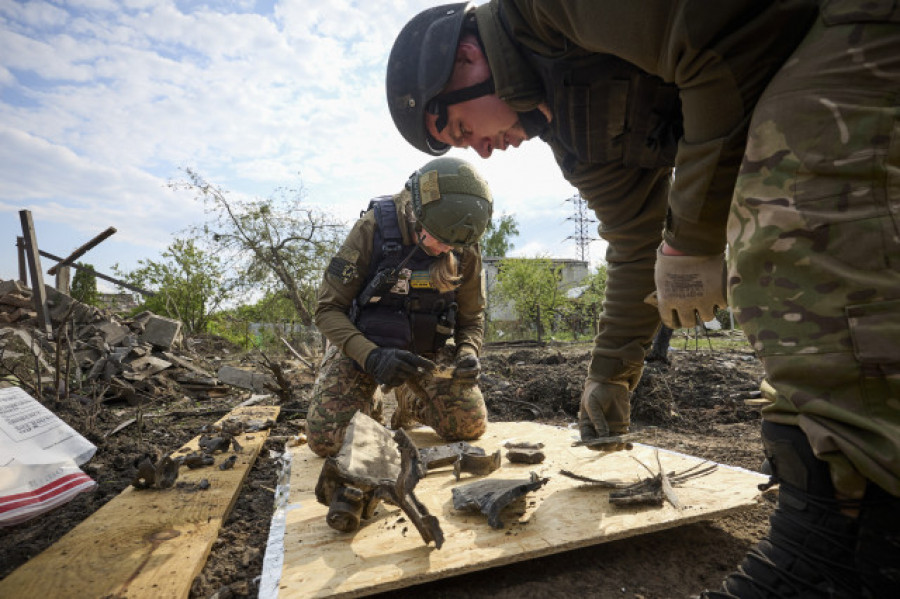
(407, 279)
(783, 119)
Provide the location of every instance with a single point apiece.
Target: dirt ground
(695, 405)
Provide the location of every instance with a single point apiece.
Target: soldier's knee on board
(326, 445)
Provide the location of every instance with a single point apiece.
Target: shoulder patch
(342, 269)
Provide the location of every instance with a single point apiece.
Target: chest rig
(402, 308)
(605, 109)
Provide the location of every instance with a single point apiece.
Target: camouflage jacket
(345, 278)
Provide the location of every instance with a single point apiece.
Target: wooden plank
(81, 251)
(144, 544)
(38, 293)
(388, 553)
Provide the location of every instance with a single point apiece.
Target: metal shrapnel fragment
(490, 496)
(370, 466)
(474, 463)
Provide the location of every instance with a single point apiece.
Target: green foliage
(275, 245)
(531, 285)
(188, 284)
(84, 285)
(274, 312)
(580, 314)
(497, 240)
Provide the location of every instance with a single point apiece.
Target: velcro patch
(429, 190)
(420, 279)
(342, 270)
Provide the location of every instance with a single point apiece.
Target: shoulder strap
(388, 241)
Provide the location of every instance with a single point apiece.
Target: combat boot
(810, 551)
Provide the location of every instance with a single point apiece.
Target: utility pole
(583, 221)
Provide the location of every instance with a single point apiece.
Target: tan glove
(605, 412)
(689, 285)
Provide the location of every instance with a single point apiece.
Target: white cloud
(103, 102)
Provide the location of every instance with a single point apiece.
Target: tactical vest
(412, 315)
(605, 109)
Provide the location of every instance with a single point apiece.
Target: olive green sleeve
(631, 205)
(470, 296)
(343, 281)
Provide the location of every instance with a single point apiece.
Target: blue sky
(103, 103)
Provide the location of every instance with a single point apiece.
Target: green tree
(84, 285)
(497, 240)
(581, 313)
(531, 285)
(274, 245)
(188, 284)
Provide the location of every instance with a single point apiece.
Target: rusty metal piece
(446, 455)
(474, 463)
(372, 466)
(490, 496)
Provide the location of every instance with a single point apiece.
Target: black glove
(468, 367)
(393, 367)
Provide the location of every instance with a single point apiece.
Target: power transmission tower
(583, 221)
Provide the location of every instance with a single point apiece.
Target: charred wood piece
(228, 464)
(490, 496)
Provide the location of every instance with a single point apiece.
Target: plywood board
(145, 544)
(388, 553)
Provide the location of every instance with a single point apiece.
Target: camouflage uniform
(456, 411)
(815, 243)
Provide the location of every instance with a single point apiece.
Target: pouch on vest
(605, 109)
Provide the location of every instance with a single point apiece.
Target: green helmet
(451, 201)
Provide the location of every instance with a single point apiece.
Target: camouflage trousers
(814, 236)
(455, 410)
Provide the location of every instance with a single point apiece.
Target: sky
(104, 104)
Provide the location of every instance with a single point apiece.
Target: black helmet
(451, 201)
(419, 67)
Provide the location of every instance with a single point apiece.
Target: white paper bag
(40, 457)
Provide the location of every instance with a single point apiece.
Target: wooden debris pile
(95, 354)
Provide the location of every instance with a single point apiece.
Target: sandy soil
(695, 405)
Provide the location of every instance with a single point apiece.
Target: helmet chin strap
(439, 104)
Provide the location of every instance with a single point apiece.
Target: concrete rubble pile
(115, 358)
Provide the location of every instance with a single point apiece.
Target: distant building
(573, 274)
